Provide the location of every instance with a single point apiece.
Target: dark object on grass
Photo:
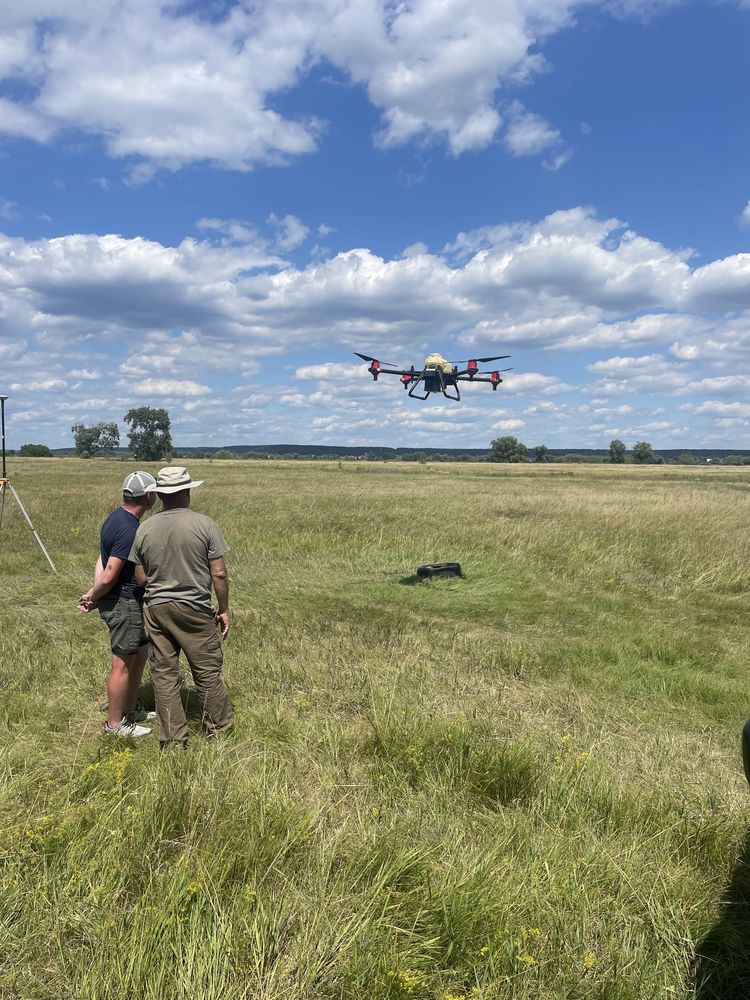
(746, 749)
(441, 569)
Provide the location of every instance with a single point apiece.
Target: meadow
(521, 784)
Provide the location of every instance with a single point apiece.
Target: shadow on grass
(188, 695)
(722, 959)
(410, 581)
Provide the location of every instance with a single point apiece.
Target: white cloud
(194, 321)
(727, 384)
(45, 385)
(167, 85)
(290, 232)
(730, 422)
(26, 123)
(627, 366)
(533, 382)
(329, 371)
(508, 425)
(554, 163)
(166, 387)
(744, 219)
(528, 134)
(715, 406)
(562, 282)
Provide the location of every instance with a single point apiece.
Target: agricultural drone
(438, 374)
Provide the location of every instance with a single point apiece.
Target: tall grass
(524, 783)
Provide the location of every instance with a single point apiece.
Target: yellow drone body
(438, 361)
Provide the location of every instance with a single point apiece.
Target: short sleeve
(134, 555)
(122, 542)
(217, 544)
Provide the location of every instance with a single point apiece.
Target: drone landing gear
(433, 382)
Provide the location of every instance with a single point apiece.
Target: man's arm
(84, 601)
(220, 581)
(140, 575)
(104, 583)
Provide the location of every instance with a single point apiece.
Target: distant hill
(317, 450)
(475, 454)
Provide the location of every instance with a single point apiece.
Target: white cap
(138, 484)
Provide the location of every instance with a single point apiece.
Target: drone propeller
(484, 361)
(366, 357)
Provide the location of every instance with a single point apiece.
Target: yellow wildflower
(409, 980)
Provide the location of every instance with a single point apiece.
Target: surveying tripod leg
(2, 500)
(33, 529)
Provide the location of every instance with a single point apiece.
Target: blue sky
(209, 206)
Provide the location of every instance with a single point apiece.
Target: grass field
(524, 784)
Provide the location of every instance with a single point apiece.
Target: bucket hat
(173, 479)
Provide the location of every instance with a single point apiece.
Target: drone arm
(493, 378)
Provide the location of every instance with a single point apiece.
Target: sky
(209, 206)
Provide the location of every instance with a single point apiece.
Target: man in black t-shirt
(120, 602)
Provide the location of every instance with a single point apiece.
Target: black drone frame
(434, 378)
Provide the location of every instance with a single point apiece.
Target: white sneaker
(126, 729)
(140, 714)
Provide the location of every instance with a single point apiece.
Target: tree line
(510, 449)
(150, 440)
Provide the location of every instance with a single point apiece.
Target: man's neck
(178, 501)
(137, 510)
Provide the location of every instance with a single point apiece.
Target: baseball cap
(138, 484)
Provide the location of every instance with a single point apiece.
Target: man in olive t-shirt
(179, 555)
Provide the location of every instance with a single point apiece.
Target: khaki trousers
(174, 626)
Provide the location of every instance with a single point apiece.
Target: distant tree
(540, 453)
(150, 438)
(98, 439)
(223, 453)
(643, 453)
(507, 449)
(616, 452)
(686, 458)
(35, 451)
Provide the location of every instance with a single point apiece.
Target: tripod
(6, 484)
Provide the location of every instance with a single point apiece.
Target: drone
(438, 374)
